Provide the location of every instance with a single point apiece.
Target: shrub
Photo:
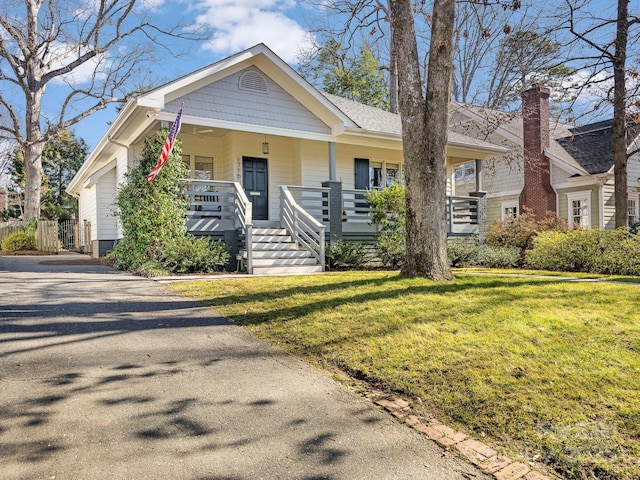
(19, 241)
(499, 257)
(467, 253)
(591, 251)
(463, 252)
(520, 231)
(346, 254)
(189, 254)
(388, 212)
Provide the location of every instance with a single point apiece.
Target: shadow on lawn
(387, 288)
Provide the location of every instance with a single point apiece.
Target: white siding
(87, 208)
(633, 169)
(106, 204)
(315, 163)
(609, 206)
(224, 100)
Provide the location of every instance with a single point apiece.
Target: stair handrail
(305, 230)
(244, 216)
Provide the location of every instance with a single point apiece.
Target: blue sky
(237, 24)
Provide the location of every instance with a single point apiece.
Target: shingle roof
(592, 145)
(377, 120)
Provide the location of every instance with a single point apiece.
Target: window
(509, 209)
(376, 175)
(200, 167)
(392, 174)
(466, 172)
(579, 209)
(203, 168)
(632, 208)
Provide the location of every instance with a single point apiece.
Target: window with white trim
(509, 209)
(632, 208)
(579, 209)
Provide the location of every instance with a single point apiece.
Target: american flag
(167, 147)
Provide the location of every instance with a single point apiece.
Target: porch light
(265, 146)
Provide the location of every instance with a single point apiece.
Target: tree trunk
(424, 136)
(619, 116)
(34, 143)
(393, 85)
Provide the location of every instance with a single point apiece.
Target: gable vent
(253, 81)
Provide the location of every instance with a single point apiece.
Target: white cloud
(241, 24)
(93, 68)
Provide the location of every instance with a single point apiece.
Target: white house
(276, 165)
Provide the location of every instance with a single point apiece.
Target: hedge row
(592, 251)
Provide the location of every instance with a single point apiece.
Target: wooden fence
(7, 228)
(53, 236)
(47, 236)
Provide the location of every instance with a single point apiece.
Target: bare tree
(46, 44)
(424, 134)
(608, 61)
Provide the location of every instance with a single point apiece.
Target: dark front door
(254, 180)
(361, 183)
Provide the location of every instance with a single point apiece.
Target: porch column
(482, 204)
(333, 172)
(478, 175)
(335, 209)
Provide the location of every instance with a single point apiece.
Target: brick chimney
(537, 194)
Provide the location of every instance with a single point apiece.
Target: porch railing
(216, 206)
(462, 215)
(305, 230)
(314, 200)
(244, 221)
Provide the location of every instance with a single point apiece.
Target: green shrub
(469, 253)
(189, 254)
(499, 257)
(19, 241)
(591, 251)
(463, 252)
(346, 254)
(388, 212)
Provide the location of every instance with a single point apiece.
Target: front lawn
(542, 368)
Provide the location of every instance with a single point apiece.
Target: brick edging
(478, 453)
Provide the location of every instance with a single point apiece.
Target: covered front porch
(308, 218)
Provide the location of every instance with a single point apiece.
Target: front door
(254, 180)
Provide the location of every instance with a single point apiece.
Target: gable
(250, 97)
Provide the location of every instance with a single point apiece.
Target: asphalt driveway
(107, 375)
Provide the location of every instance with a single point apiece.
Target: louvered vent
(254, 82)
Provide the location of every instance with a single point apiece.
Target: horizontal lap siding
(106, 204)
(314, 163)
(224, 100)
(609, 201)
(494, 207)
(87, 208)
(502, 174)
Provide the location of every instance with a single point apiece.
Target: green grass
(545, 369)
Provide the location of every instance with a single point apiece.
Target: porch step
(298, 269)
(275, 252)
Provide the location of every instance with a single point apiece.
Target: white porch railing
(305, 230)
(314, 200)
